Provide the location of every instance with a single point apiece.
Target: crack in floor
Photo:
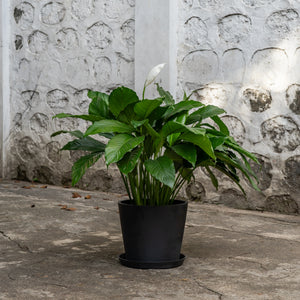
(220, 296)
(22, 247)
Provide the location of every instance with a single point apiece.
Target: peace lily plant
(157, 144)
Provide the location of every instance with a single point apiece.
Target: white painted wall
(242, 55)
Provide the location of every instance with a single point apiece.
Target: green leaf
(129, 161)
(217, 141)
(76, 133)
(203, 113)
(162, 169)
(91, 118)
(201, 141)
(119, 145)
(223, 128)
(167, 97)
(213, 178)
(145, 107)
(187, 151)
(120, 98)
(86, 144)
(137, 124)
(82, 164)
(181, 106)
(241, 150)
(108, 126)
(99, 104)
(175, 127)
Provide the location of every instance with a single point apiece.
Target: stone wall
(60, 49)
(244, 56)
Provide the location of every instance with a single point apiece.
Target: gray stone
(82, 100)
(282, 203)
(18, 42)
(282, 132)
(57, 99)
(236, 128)
(233, 198)
(53, 151)
(27, 148)
(209, 4)
(53, 13)
(77, 71)
(283, 22)
(195, 191)
(102, 70)
(131, 3)
(125, 70)
(293, 98)
(195, 32)
(66, 124)
(235, 28)
(188, 3)
(292, 172)
(262, 171)
(200, 67)
(257, 3)
(43, 174)
(100, 180)
(259, 100)
(127, 30)
(38, 42)
(233, 66)
(18, 122)
(113, 9)
(39, 123)
(67, 39)
(268, 68)
(24, 14)
(30, 98)
(99, 35)
(83, 8)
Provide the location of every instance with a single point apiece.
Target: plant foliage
(157, 144)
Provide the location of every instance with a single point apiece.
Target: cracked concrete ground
(51, 253)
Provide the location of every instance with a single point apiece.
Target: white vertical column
(5, 14)
(155, 43)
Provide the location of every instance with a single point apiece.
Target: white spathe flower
(153, 74)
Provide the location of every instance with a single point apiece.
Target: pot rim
(127, 202)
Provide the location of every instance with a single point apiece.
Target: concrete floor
(52, 253)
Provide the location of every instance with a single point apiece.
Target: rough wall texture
(60, 50)
(244, 55)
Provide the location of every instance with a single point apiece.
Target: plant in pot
(157, 145)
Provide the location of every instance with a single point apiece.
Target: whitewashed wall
(60, 49)
(240, 54)
(244, 55)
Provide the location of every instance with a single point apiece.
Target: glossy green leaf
(145, 107)
(129, 161)
(181, 106)
(99, 104)
(120, 98)
(108, 126)
(91, 118)
(202, 142)
(82, 164)
(119, 145)
(203, 113)
(76, 133)
(187, 151)
(137, 124)
(175, 127)
(223, 128)
(167, 97)
(162, 169)
(86, 144)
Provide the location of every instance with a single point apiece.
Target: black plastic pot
(152, 235)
